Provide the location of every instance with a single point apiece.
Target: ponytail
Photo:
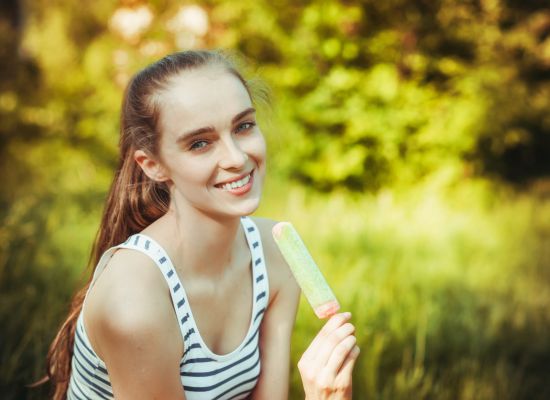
(134, 202)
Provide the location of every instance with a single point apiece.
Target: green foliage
(384, 94)
(392, 108)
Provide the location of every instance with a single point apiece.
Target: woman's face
(211, 147)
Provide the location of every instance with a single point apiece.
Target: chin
(247, 208)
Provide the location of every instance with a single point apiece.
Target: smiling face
(211, 148)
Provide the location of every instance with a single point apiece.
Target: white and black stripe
(204, 374)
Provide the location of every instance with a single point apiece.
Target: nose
(232, 156)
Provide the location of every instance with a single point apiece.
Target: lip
(220, 184)
(243, 190)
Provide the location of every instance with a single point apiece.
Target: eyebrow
(196, 132)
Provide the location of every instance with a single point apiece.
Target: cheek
(185, 172)
(258, 147)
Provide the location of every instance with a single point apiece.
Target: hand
(327, 364)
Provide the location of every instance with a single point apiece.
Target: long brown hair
(134, 201)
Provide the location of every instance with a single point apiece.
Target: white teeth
(237, 184)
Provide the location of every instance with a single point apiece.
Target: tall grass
(45, 243)
(448, 287)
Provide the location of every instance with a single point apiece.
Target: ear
(150, 166)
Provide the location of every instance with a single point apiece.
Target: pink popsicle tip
(327, 309)
(277, 229)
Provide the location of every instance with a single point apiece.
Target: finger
(333, 323)
(346, 371)
(340, 354)
(342, 382)
(331, 343)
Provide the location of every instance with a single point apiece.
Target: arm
(326, 366)
(133, 329)
(275, 337)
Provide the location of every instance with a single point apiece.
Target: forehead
(203, 97)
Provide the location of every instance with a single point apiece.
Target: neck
(198, 243)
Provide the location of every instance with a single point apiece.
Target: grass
(448, 287)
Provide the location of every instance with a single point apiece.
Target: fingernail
(347, 314)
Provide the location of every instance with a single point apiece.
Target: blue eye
(199, 144)
(245, 126)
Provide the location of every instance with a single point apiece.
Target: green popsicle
(307, 274)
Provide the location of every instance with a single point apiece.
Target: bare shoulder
(132, 327)
(277, 268)
(130, 300)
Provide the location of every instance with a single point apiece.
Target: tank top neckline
(252, 244)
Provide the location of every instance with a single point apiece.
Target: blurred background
(409, 143)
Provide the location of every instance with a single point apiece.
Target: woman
(191, 299)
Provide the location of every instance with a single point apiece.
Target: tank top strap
(259, 271)
(147, 245)
(151, 248)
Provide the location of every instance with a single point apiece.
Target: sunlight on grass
(447, 286)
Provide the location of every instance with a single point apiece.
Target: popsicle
(307, 274)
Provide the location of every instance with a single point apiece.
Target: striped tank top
(204, 374)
